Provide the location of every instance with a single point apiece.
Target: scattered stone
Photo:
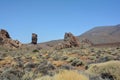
(107, 76)
(30, 65)
(67, 67)
(97, 78)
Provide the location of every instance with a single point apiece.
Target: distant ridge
(98, 36)
(103, 35)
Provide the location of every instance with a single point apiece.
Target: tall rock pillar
(34, 38)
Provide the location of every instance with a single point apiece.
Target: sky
(50, 19)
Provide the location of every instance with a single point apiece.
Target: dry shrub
(111, 67)
(66, 75)
(6, 60)
(69, 75)
(45, 78)
(58, 63)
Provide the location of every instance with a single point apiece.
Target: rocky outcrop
(4, 34)
(34, 38)
(6, 40)
(86, 41)
(69, 41)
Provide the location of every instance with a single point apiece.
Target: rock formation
(6, 40)
(34, 38)
(86, 41)
(69, 41)
(4, 34)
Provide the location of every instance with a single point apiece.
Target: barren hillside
(104, 34)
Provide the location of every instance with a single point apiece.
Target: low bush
(107, 70)
(35, 50)
(65, 75)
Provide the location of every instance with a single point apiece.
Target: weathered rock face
(6, 40)
(34, 38)
(4, 33)
(86, 41)
(69, 41)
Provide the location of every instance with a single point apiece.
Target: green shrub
(35, 50)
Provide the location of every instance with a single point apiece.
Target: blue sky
(50, 19)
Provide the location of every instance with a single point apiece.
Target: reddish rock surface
(69, 41)
(6, 40)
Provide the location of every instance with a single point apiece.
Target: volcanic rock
(6, 40)
(34, 38)
(69, 41)
(86, 41)
(4, 33)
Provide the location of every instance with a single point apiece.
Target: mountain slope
(101, 35)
